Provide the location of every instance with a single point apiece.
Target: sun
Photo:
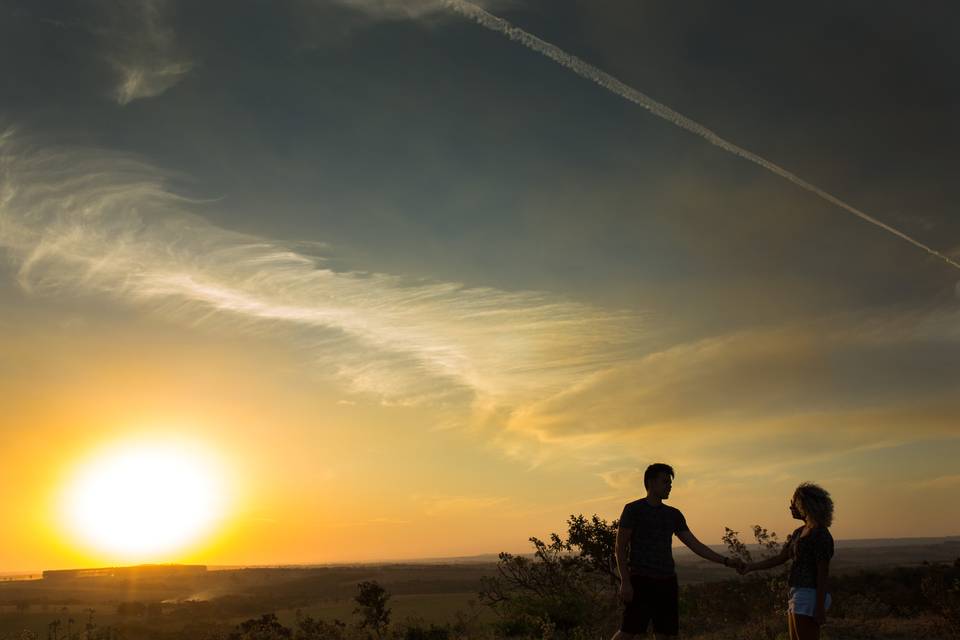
(142, 501)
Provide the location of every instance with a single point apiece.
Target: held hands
(735, 563)
(626, 591)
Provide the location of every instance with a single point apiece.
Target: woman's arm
(823, 574)
(769, 563)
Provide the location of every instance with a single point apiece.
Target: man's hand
(626, 591)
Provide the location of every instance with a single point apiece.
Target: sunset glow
(364, 280)
(141, 501)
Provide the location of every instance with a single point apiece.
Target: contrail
(608, 82)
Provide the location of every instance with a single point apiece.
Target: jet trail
(612, 84)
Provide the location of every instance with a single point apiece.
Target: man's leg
(636, 613)
(666, 613)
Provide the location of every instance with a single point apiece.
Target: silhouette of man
(648, 578)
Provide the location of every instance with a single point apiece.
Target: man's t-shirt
(652, 529)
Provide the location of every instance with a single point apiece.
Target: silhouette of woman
(810, 548)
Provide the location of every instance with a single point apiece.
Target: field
(872, 581)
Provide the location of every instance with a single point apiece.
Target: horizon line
(415, 560)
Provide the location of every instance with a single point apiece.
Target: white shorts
(803, 600)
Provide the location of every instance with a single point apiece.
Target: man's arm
(623, 541)
(702, 550)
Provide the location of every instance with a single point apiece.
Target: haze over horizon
(379, 283)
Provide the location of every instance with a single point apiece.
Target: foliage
(266, 627)
(374, 612)
(310, 629)
(941, 587)
(771, 595)
(417, 629)
(567, 585)
(595, 541)
(566, 590)
(767, 542)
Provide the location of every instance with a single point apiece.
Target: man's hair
(815, 502)
(654, 470)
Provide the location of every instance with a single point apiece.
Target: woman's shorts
(803, 600)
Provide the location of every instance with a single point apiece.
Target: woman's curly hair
(815, 502)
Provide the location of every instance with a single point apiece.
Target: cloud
(372, 522)
(454, 504)
(535, 375)
(87, 222)
(141, 45)
(755, 402)
(940, 482)
(835, 366)
(400, 9)
(623, 479)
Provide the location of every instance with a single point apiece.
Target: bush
(568, 585)
(266, 627)
(372, 606)
(414, 628)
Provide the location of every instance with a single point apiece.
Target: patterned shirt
(806, 551)
(652, 529)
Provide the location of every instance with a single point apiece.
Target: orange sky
(318, 479)
(418, 291)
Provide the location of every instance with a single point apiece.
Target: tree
(372, 600)
(312, 629)
(568, 583)
(596, 542)
(266, 627)
(766, 541)
(772, 597)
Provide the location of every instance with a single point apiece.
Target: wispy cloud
(451, 504)
(827, 368)
(90, 222)
(622, 479)
(142, 46)
(372, 522)
(536, 375)
(940, 482)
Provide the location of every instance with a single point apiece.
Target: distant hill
(870, 551)
(898, 542)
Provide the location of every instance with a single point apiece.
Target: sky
(416, 290)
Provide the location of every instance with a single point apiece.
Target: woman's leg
(803, 627)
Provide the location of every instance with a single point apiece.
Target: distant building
(129, 573)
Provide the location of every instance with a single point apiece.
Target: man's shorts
(654, 599)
